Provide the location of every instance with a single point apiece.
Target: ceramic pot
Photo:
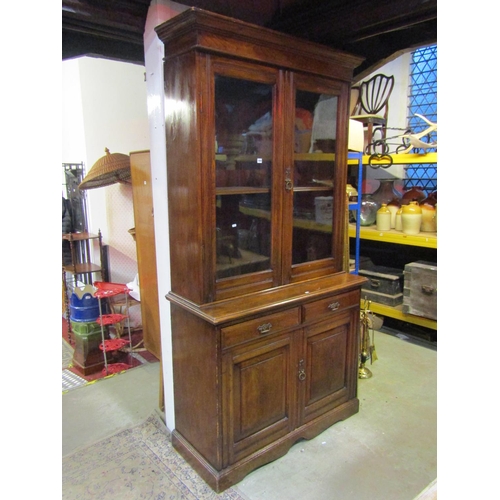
(393, 207)
(385, 192)
(399, 220)
(383, 218)
(411, 218)
(368, 211)
(429, 216)
(416, 193)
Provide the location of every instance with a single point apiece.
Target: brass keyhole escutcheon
(288, 180)
(302, 371)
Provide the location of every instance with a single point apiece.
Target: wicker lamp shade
(111, 168)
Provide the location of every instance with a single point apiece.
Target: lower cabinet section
(254, 375)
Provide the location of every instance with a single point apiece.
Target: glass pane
(315, 135)
(244, 142)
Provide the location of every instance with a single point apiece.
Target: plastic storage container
(83, 309)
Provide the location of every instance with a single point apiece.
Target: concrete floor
(387, 451)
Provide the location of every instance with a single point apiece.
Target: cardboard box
(323, 206)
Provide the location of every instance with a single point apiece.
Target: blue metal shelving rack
(357, 206)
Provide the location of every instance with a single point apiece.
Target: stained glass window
(422, 100)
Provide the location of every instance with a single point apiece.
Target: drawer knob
(265, 328)
(334, 306)
(374, 283)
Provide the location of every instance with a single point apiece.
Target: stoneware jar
(416, 193)
(429, 222)
(393, 207)
(383, 218)
(399, 220)
(411, 218)
(385, 192)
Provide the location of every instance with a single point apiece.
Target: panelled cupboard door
(326, 380)
(259, 394)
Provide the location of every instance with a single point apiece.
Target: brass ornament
(367, 341)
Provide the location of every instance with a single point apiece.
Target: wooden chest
(384, 285)
(420, 289)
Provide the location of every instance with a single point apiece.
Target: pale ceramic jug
(411, 218)
(429, 222)
(383, 218)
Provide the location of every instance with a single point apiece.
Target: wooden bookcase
(265, 315)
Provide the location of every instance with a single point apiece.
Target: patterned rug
(136, 463)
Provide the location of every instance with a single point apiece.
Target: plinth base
(87, 357)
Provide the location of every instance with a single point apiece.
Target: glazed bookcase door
(313, 204)
(245, 157)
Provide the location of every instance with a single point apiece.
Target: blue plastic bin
(84, 309)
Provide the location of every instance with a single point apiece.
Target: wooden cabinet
(140, 168)
(264, 312)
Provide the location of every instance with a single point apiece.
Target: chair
(372, 106)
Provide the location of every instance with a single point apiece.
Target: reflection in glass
(315, 132)
(243, 234)
(243, 160)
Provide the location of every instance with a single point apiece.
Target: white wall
(160, 11)
(398, 109)
(104, 105)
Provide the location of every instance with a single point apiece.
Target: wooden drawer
(331, 305)
(259, 327)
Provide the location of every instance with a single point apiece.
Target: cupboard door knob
(265, 328)
(334, 306)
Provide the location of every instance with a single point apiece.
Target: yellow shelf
(396, 312)
(309, 224)
(400, 159)
(397, 159)
(314, 156)
(426, 240)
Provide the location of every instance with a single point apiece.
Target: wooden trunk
(384, 285)
(420, 289)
